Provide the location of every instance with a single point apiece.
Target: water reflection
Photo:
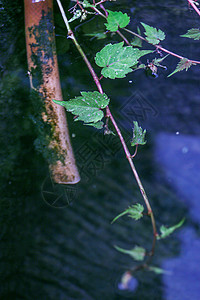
(179, 157)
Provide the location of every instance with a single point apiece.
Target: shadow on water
(57, 241)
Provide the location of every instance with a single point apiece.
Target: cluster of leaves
(117, 60)
(117, 20)
(138, 253)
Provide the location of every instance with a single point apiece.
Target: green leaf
(117, 59)
(184, 64)
(88, 107)
(141, 66)
(138, 135)
(167, 231)
(135, 212)
(86, 4)
(157, 270)
(98, 125)
(116, 20)
(98, 35)
(193, 33)
(137, 42)
(153, 35)
(76, 15)
(157, 61)
(107, 131)
(137, 253)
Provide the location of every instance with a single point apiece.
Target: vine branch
(109, 115)
(159, 46)
(142, 38)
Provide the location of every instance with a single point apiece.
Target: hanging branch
(110, 116)
(160, 47)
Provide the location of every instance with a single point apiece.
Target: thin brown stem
(192, 3)
(123, 37)
(135, 153)
(99, 12)
(100, 2)
(159, 47)
(109, 115)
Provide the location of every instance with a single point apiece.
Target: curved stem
(123, 37)
(135, 153)
(109, 115)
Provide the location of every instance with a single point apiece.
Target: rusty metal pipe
(43, 66)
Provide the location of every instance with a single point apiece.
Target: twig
(192, 3)
(135, 153)
(123, 37)
(160, 47)
(109, 114)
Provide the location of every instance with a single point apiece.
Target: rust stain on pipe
(42, 63)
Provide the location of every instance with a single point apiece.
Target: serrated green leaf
(153, 35)
(137, 42)
(76, 15)
(157, 61)
(116, 20)
(117, 59)
(98, 35)
(87, 107)
(137, 253)
(184, 64)
(166, 231)
(193, 33)
(134, 211)
(138, 135)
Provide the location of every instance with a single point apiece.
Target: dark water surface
(57, 241)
